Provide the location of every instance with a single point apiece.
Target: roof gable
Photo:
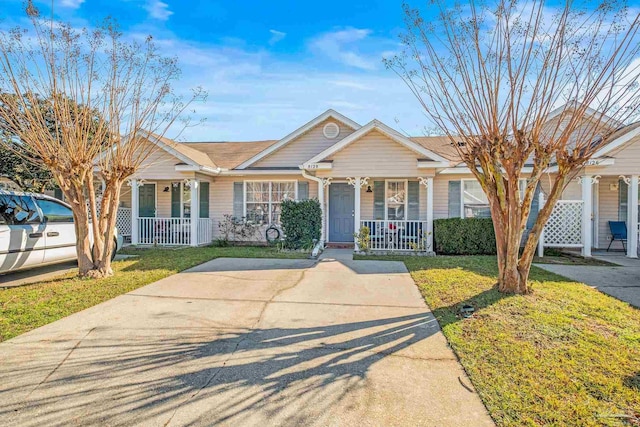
(298, 132)
(386, 131)
(182, 152)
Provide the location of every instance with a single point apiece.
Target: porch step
(339, 245)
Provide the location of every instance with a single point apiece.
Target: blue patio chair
(618, 232)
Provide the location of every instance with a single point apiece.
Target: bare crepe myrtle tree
(491, 77)
(103, 93)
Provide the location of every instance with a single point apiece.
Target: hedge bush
(301, 222)
(464, 236)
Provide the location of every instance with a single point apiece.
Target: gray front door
(341, 207)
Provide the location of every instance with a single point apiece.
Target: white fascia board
(466, 170)
(197, 168)
(618, 142)
(432, 164)
(242, 172)
(296, 133)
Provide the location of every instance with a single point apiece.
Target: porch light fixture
(166, 189)
(369, 190)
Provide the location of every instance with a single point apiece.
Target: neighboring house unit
(368, 175)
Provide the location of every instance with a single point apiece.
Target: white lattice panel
(123, 221)
(564, 227)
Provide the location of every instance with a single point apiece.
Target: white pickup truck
(36, 230)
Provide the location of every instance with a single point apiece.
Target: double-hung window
(475, 203)
(396, 200)
(263, 200)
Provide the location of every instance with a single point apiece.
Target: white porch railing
(164, 231)
(391, 235)
(205, 231)
(173, 231)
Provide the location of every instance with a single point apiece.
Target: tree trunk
(512, 278)
(108, 219)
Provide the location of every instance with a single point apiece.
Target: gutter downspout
(321, 200)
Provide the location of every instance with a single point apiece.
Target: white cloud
(157, 9)
(72, 4)
(276, 36)
(340, 46)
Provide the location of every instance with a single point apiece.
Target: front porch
(398, 212)
(167, 212)
(582, 218)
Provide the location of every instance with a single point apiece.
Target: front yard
(29, 307)
(565, 355)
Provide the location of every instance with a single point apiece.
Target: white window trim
(270, 181)
(475, 180)
(406, 198)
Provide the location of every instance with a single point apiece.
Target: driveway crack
(61, 362)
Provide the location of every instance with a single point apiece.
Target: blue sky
(268, 66)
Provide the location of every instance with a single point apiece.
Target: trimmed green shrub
(301, 222)
(464, 236)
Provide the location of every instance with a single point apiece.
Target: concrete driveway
(245, 342)
(621, 281)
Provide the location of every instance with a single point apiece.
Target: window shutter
(535, 207)
(378, 199)
(623, 195)
(204, 200)
(413, 193)
(175, 200)
(238, 200)
(303, 190)
(455, 193)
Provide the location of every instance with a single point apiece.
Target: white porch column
(632, 218)
(587, 199)
(195, 210)
(541, 240)
(356, 209)
(323, 209)
(429, 185)
(135, 207)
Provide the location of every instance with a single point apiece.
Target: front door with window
(147, 200)
(341, 210)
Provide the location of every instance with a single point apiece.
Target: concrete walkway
(621, 281)
(245, 342)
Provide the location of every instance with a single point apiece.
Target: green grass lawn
(28, 307)
(566, 355)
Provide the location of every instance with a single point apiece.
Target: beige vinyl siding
(221, 194)
(160, 164)
(441, 194)
(304, 147)
(627, 159)
(125, 196)
(366, 201)
(607, 208)
(573, 190)
(375, 152)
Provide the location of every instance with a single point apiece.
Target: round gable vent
(331, 130)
